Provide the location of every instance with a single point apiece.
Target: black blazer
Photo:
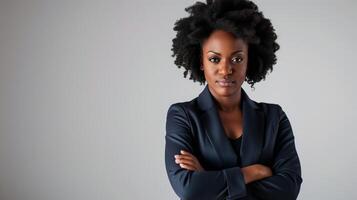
(267, 139)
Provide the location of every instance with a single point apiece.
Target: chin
(226, 91)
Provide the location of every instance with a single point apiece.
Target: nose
(225, 69)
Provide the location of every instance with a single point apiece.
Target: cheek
(241, 69)
(241, 73)
(244, 69)
(209, 73)
(245, 66)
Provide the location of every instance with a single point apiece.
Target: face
(224, 63)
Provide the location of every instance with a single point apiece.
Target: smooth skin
(225, 58)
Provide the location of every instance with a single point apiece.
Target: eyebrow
(231, 54)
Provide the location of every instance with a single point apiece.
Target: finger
(195, 166)
(186, 162)
(185, 152)
(186, 157)
(189, 167)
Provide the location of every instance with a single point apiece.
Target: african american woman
(222, 144)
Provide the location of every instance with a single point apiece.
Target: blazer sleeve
(286, 180)
(196, 185)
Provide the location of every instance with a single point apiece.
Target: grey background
(85, 87)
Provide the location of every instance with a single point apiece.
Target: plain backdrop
(85, 87)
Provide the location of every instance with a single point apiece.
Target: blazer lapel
(253, 132)
(253, 127)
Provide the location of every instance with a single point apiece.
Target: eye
(237, 59)
(214, 59)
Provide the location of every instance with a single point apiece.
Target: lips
(225, 83)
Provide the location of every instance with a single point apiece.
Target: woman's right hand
(255, 172)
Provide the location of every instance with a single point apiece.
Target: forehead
(220, 40)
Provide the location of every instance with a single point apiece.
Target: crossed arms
(191, 182)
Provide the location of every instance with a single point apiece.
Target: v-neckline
(236, 139)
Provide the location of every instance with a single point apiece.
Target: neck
(228, 103)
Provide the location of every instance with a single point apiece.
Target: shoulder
(270, 110)
(184, 113)
(178, 118)
(269, 107)
(181, 108)
(185, 106)
(192, 106)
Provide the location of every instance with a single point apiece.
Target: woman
(222, 144)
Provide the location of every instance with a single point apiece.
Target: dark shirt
(236, 143)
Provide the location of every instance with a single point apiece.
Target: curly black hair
(239, 17)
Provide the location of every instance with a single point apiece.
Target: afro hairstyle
(239, 17)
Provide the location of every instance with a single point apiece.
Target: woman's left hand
(188, 161)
